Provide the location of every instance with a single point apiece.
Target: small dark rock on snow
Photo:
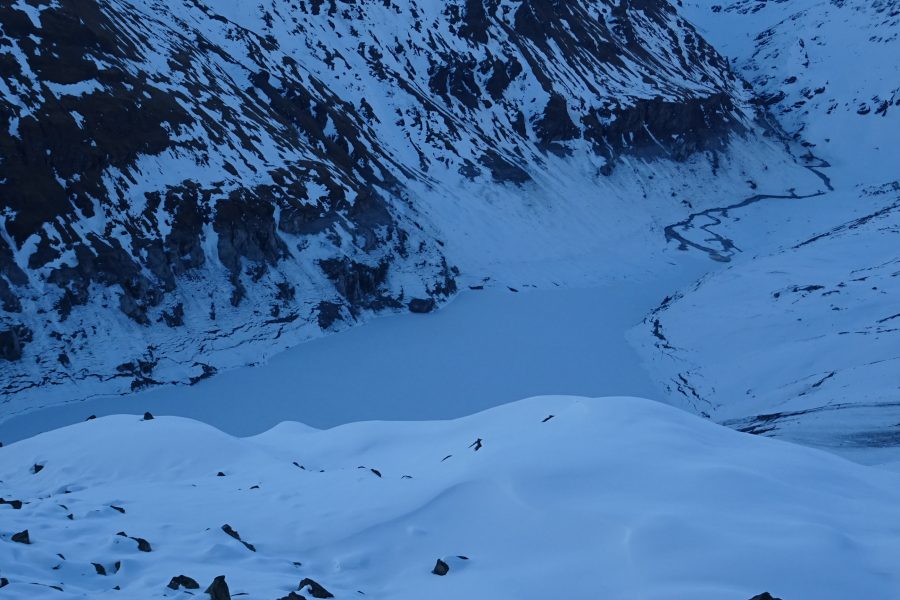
(143, 545)
(22, 537)
(764, 596)
(183, 581)
(37, 468)
(218, 589)
(315, 590)
(147, 417)
(441, 568)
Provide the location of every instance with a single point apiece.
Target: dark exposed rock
(360, 284)
(315, 590)
(764, 596)
(147, 417)
(184, 581)
(233, 533)
(11, 344)
(218, 589)
(143, 545)
(293, 596)
(328, 313)
(421, 305)
(556, 125)
(440, 568)
(22, 537)
(4, 582)
(117, 508)
(101, 570)
(16, 504)
(37, 468)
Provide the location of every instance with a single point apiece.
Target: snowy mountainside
(802, 343)
(799, 341)
(187, 186)
(618, 498)
(826, 69)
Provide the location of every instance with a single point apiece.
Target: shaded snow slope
(803, 343)
(617, 498)
(826, 69)
(800, 342)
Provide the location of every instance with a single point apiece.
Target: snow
(616, 498)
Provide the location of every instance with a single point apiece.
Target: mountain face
(180, 179)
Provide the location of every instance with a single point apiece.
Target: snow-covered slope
(827, 70)
(802, 342)
(189, 186)
(617, 498)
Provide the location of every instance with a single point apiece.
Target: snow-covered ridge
(617, 498)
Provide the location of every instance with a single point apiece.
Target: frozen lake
(486, 348)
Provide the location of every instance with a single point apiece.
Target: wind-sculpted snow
(578, 498)
(184, 182)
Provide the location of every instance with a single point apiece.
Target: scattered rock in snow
(22, 537)
(476, 444)
(91, 418)
(547, 418)
(37, 468)
(440, 568)
(220, 474)
(143, 545)
(101, 570)
(16, 504)
(218, 589)
(376, 471)
(4, 582)
(117, 508)
(183, 581)
(147, 417)
(233, 533)
(315, 590)
(764, 596)
(293, 596)
(421, 305)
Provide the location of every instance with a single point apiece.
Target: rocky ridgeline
(178, 174)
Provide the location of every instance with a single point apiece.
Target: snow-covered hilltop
(197, 184)
(616, 498)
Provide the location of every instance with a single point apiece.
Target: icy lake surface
(488, 347)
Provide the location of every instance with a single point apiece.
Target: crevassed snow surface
(615, 498)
